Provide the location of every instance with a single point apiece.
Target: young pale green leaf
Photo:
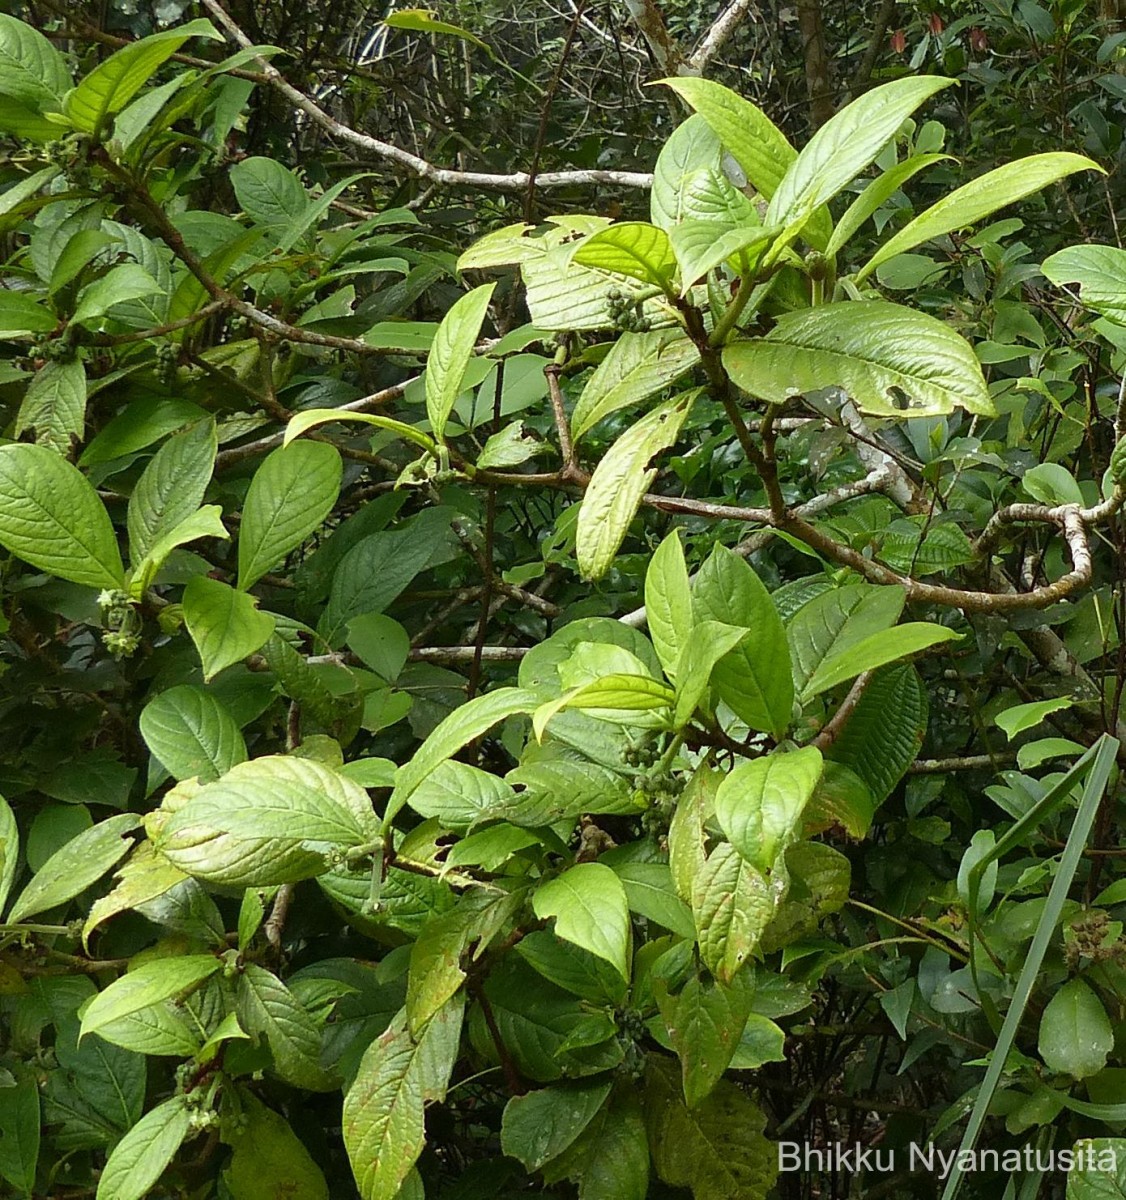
(1022, 717)
(707, 643)
(692, 146)
(225, 625)
(447, 738)
(540, 1125)
(384, 1109)
(705, 1022)
(267, 1008)
(110, 86)
(650, 893)
(451, 352)
(760, 804)
(700, 246)
(509, 447)
(668, 602)
(192, 733)
(205, 522)
(9, 852)
(33, 72)
(620, 480)
(590, 909)
(609, 697)
(637, 365)
(876, 650)
(892, 361)
(1076, 1036)
(75, 866)
(875, 195)
(979, 198)
(151, 983)
(171, 487)
(754, 679)
(732, 903)
(1099, 271)
(310, 418)
(846, 144)
(635, 249)
(141, 1157)
(835, 620)
(54, 406)
(291, 493)
(52, 518)
(419, 20)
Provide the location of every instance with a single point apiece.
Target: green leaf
(701, 246)
(32, 70)
(668, 602)
(692, 146)
(610, 698)
(732, 903)
(755, 679)
(1021, 717)
(269, 193)
(1052, 484)
(9, 852)
(140, 1158)
(708, 642)
(650, 894)
(19, 1133)
(620, 480)
(74, 866)
(1098, 1171)
(760, 1042)
(20, 314)
(460, 727)
(129, 281)
(835, 621)
(192, 733)
(510, 447)
(420, 20)
(52, 518)
(846, 144)
(146, 985)
(269, 1160)
(540, 1125)
(979, 198)
(267, 1008)
(875, 351)
(637, 365)
(635, 249)
(875, 195)
(875, 651)
(225, 625)
(30, 185)
(609, 1160)
(290, 495)
(1076, 1036)
(760, 803)
(55, 406)
(204, 523)
(310, 418)
(460, 796)
(110, 86)
(705, 1022)
(450, 354)
(590, 909)
(171, 487)
(1100, 272)
(882, 736)
(144, 876)
(717, 1148)
(384, 1119)
(843, 798)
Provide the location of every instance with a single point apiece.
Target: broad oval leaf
(979, 198)
(846, 144)
(34, 72)
(590, 909)
(733, 903)
(73, 867)
(540, 1125)
(192, 733)
(692, 145)
(1075, 1037)
(140, 1158)
(51, 517)
(760, 803)
(290, 495)
(225, 624)
(635, 249)
(892, 361)
(451, 352)
(1100, 272)
(55, 405)
(620, 480)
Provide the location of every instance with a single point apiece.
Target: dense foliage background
(552, 642)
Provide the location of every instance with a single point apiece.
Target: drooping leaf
(732, 903)
(876, 650)
(590, 909)
(290, 495)
(51, 517)
(140, 1158)
(1022, 717)
(450, 354)
(980, 198)
(225, 624)
(760, 803)
(146, 985)
(267, 1008)
(55, 405)
(693, 145)
(891, 360)
(620, 480)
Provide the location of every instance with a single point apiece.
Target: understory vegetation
(562, 596)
